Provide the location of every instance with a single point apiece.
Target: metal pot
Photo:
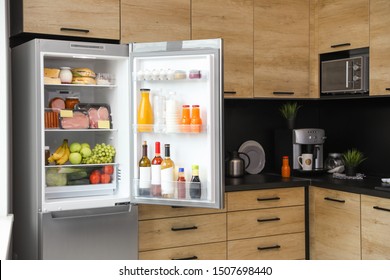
(236, 165)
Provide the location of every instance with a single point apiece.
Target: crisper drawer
(277, 247)
(147, 212)
(256, 223)
(246, 200)
(211, 251)
(174, 232)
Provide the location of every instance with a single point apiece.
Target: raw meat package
(78, 120)
(97, 112)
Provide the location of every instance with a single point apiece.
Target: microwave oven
(345, 76)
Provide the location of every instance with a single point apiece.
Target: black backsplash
(351, 123)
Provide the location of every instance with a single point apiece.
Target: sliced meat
(103, 113)
(93, 117)
(57, 104)
(78, 121)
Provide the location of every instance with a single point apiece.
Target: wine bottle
(156, 171)
(167, 166)
(144, 172)
(181, 184)
(195, 185)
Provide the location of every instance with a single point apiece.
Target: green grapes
(101, 153)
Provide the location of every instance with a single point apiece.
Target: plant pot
(350, 171)
(290, 123)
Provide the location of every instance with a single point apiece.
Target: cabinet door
(334, 225)
(155, 20)
(233, 22)
(342, 24)
(88, 18)
(281, 49)
(375, 228)
(379, 47)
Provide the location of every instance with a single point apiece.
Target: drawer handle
(74, 29)
(381, 208)
(388, 88)
(230, 92)
(188, 258)
(340, 45)
(334, 199)
(269, 247)
(184, 228)
(268, 220)
(283, 93)
(177, 207)
(268, 198)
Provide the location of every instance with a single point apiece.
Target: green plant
(353, 157)
(289, 110)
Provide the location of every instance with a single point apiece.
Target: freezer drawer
(102, 233)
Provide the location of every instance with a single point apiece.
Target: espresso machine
(309, 141)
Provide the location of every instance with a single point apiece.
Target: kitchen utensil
(236, 165)
(306, 161)
(256, 155)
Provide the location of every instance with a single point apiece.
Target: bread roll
(84, 80)
(83, 72)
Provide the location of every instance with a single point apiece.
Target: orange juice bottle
(196, 121)
(185, 119)
(145, 112)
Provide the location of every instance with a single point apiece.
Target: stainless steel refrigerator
(60, 211)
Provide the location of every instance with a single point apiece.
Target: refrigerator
(61, 211)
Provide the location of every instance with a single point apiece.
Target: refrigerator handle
(93, 212)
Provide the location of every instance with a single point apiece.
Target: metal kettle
(236, 165)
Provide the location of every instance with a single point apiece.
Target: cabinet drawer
(183, 231)
(277, 247)
(147, 212)
(246, 200)
(375, 228)
(256, 223)
(212, 251)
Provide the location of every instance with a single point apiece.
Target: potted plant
(352, 158)
(289, 112)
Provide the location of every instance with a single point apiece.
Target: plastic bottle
(185, 119)
(286, 171)
(195, 185)
(196, 121)
(181, 184)
(145, 112)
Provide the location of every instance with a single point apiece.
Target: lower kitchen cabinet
(334, 225)
(375, 228)
(266, 224)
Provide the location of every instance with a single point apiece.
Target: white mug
(306, 161)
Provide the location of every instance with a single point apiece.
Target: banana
(59, 152)
(65, 156)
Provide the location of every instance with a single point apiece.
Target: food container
(66, 75)
(195, 74)
(99, 114)
(104, 79)
(70, 102)
(180, 74)
(77, 119)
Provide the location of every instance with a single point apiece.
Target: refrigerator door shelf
(171, 128)
(79, 191)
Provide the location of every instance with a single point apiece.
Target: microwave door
(335, 76)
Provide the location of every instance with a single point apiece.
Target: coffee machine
(309, 141)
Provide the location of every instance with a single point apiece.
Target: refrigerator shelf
(79, 191)
(77, 86)
(79, 165)
(81, 130)
(169, 129)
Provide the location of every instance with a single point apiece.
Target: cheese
(51, 72)
(52, 81)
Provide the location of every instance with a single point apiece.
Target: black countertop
(366, 186)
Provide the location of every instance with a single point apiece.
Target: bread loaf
(83, 72)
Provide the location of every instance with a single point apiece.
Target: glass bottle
(156, 171)
(145, 112)
(196, 121)
(144, 172)
(167, 166)
(181, 184)
(195, 185)
(185, 119)
(286, 171)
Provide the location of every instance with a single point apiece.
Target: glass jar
(333, 160)
(66, 75)
(70, 102)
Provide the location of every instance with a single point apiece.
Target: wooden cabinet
(266, 224)
(155, 20)
(342, 24)
(375, 228)
(281, 49)
(88, 18)
(379, 47)
(334, 224)
(167, 232)
(233, 22)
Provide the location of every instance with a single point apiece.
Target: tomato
(108, 169)
(94, 178)
(105, 178)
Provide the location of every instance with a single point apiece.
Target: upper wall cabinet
(87, 18)
(379, 47)
(155, 20)
(233, 22)
(281, 48)
(342, 24)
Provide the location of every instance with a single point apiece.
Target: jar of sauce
(70, 102)
(47, 155)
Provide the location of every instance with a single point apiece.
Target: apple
(85, 145)
(85, 152)
(75, 158)
(75, 147)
